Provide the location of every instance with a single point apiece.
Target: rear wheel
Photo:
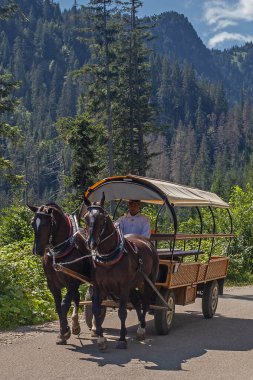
(164, 318)
(88, 316)
(210, 298)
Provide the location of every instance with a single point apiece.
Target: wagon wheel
(88, 316)
(210, 298)
(164, 318)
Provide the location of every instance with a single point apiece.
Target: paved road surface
(196, 349)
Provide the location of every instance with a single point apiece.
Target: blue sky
(219, 23)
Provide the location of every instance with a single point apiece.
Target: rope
(74, 261)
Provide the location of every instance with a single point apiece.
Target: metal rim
(215, 294)
(170, 311)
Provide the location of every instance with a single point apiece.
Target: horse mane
(56, 207)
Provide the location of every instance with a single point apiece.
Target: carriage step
(113, 304)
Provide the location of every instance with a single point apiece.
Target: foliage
(15, 224)
(85, 139)
(241, 266)
(24, 297)
(117, 85)
(7, 10)
(7, 131)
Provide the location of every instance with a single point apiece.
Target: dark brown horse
(56, 241)
(120, 263)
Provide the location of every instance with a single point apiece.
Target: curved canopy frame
(152, 191)
(161, 192)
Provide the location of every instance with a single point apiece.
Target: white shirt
(137, 224)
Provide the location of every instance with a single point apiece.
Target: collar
(112, 257)
(133, 216)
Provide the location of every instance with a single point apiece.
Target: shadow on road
(191, 337)
(249, 297)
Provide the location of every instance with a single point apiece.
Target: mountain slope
(176, 38)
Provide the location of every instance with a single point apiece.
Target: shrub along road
(196, 348)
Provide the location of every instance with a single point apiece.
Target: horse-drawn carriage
(186, 269)
(173, 267)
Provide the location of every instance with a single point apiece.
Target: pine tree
(134, 90)
(7, 131)
(99, 73)
(8, 10)
(84, 139)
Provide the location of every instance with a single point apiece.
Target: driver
(134, 222)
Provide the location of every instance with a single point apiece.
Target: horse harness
(65, 248)
(114, 256)
(117, 254)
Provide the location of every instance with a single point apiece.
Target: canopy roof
(151, 191)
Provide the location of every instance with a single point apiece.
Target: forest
(97, 91)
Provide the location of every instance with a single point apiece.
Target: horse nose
(92, 243)
(37, 251)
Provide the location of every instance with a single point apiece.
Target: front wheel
(164, 318)
(210, 298)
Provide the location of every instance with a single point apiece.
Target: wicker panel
(217, 268)
(190, 294)
(186, 274)
(202, 272)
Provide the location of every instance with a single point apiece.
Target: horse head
(48, 227)
(96, 221)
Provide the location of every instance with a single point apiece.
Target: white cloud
(218, 11)
(225, 36)
(223, 24)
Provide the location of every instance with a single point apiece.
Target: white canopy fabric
(152, 191)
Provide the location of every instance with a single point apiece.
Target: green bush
(241, 263)
(15, 224)
(24, 297)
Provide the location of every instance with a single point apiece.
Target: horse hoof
(121, 344)
(62, 338)
(94, 334)
(102, 343)
(141, 333)
(76, 329)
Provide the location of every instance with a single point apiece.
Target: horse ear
(33, 208)
(86, 201)
(102, 200)
(81, 212)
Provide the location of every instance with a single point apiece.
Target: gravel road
(196, 348)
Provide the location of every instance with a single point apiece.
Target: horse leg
(65, 306)
(96, 310)
(136, 301)
(146, 298)
(122, 313)
(76, 329)
(58, 300)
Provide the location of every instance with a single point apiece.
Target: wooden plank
(157, 237)
(168, 252)
(113, 304)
